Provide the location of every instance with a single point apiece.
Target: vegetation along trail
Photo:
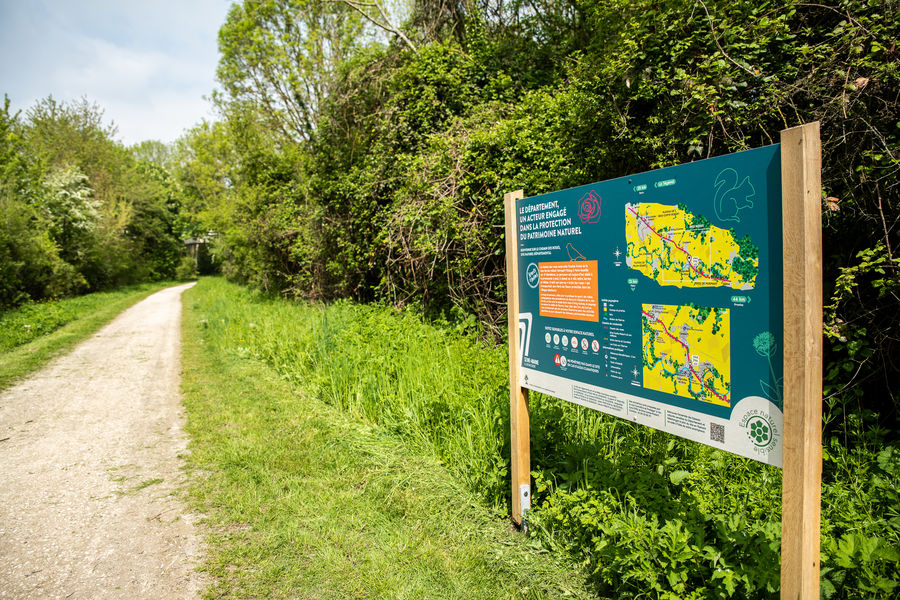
(90, 453)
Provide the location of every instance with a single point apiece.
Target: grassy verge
(33, 334)
(649, 514)
(306, 500)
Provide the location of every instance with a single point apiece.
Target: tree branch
(385, 24)
(712, 29)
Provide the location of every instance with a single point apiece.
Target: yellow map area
(675, 247)
(686, 351)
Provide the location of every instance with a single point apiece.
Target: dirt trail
(90, 472)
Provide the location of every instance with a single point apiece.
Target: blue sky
(148, 64)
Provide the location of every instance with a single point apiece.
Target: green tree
(204, 158)
(100, 217)
(153, 230)
(281, 57)
(154, 151)
(30, 265)
(73, 133)
(71, 210)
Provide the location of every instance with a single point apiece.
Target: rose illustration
(589, 208)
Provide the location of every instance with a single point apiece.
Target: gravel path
(90, 468)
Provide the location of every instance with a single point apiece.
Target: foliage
(79, 212)
(391, 192)
(155, 152)
(71, 211)
(203, 158)
(152, 233)
(279, 55)
(30, 265)
(186, 269)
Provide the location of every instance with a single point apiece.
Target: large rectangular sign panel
(658, 298)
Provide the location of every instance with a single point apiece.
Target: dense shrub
(397, 192)
(77, 211)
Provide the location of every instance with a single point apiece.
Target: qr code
(717, 432)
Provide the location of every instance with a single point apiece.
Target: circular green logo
(760, 431)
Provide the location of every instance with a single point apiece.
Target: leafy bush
(77, 212)
(186, 269)
(394, 193)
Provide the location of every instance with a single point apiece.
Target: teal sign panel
(658, 298)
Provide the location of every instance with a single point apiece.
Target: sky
(148, 64)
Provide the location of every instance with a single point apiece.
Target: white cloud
(110, 69)
(147, 65)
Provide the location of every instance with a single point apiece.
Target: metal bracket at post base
(525, 503)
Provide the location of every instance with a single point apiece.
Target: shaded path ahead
(90, 468)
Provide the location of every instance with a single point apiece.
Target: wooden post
(801, 180)
(520, 442)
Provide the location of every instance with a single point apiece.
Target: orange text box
(568, 290)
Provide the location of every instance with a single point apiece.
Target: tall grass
(433, 388)
(304, 500)
(651, 515)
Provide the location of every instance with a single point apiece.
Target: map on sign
(686, 351)
(673, 246)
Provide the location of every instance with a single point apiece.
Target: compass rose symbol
(617, 253)
(634, 372)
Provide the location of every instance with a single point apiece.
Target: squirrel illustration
(731, 197)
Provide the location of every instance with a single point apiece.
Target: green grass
(33, 334)
(649, 514)
(305, 499)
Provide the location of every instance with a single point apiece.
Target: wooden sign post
(520, 441)
(801, 181)
(801, 452)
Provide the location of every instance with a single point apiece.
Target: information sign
(658, 298)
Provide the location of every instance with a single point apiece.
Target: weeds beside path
(305, 501)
